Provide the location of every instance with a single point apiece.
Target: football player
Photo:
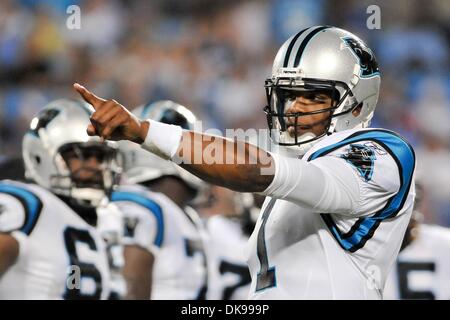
(50, 247)
(233, 220)
(164, 255)
(422, 269)
(339, 194)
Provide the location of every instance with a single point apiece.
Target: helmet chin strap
(342, 122)
(334, 120)
(300, 150)
(303, 148)
(88, 196)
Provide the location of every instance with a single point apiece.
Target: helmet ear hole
(37, 159)
(357, 110)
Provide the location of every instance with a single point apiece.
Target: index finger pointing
(88, 96)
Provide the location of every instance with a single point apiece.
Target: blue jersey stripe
(30, 202)
(147, 203)
(404, 156)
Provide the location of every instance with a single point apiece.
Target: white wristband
(163, 139)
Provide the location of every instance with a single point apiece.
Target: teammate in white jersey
(339, 195)
(164, 238)
(50, 247)
(422, 269)
(233, 220)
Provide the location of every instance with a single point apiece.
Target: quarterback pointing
(339, 194)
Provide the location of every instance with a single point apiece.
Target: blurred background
(213, 56)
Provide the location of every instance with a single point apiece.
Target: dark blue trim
(270, 277)
(31, 203)
(291, 45)
(305, 43)
(266, 277)
(147, 203)
(403, 155)
(33, 133)
(146, 110)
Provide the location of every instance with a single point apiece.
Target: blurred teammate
(422, 269)
(164, 251)
(229, 229)
(50, 247)
(339, 194)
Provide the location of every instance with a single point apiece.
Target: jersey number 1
(266, 276)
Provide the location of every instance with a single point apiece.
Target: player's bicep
(377, 174)
(137, 272)
(341, 188)
(356, 179)
(9, 252)
(17, 220)
(328, 185)
(13, 213)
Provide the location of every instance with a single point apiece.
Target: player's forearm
(137, 289)
(137, 272)
(9, 251)
(235, 165)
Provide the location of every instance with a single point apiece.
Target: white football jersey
(422, 269)
(229, 274)
(61, 256)
(110, 226)
(299, 250)
(174, 236)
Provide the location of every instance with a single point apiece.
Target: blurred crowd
(213, 57)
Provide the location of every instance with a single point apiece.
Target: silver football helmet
(327, 60)
(140, 165)
(58, 135)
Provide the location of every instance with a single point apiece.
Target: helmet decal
(42, 120)
(301, 44)
(305, 43)
(291, 45)
(367, 61)
(171, 116)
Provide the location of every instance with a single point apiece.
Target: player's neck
(88, 214)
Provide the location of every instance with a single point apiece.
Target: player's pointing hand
(88, 96)
(111, 120)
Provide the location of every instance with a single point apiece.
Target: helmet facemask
(285, 126)
(87, 172)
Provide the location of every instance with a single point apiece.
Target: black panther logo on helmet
(367, 61)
